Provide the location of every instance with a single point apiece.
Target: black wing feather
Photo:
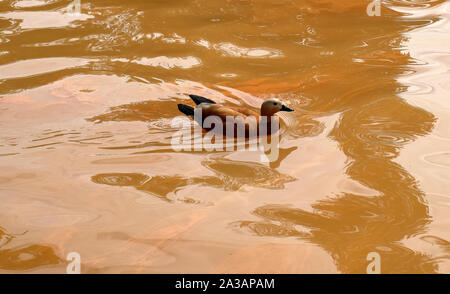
(200, 99)
(186, 109)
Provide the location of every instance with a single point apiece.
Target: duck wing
(222, 112)
(199, 99)
(245, 111)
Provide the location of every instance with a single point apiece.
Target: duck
(210, 108)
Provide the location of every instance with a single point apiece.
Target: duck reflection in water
(229, 175)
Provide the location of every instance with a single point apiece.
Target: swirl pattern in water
(88, 95)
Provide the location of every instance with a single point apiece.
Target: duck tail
(200, 99)
(186, 109)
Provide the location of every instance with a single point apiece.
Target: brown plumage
(212, 112)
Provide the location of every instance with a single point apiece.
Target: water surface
(86, 165)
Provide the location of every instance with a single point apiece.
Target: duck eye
(274, 103)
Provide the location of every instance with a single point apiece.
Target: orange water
(86, 163)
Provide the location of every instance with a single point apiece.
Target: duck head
(272, 106)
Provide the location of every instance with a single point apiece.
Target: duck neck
(266, 113)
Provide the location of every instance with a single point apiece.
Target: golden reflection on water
(230, 176)
(26, 257)
(85, 157)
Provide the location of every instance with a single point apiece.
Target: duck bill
(285, 108)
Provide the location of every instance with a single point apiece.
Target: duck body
(207, 113)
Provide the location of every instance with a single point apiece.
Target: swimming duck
(210, 108)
